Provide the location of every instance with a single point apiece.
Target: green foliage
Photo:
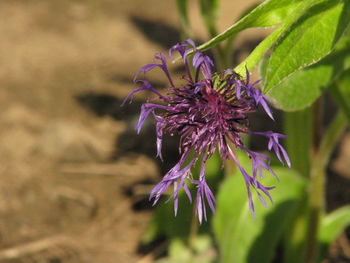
(294, 245)
(269, 13)
(303, 87)
(310, 39)
(240, 237)
(180, 252)
(283, 13)
(309, 53)
(331, 227)
(298, 11)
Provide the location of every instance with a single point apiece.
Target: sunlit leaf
(309, 40)
(331, 227)
(240, 237)
(300, 89)
(267, 14)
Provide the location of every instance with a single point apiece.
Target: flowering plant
(209, 112)
(306, 53)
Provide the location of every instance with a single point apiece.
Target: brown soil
(73, 172)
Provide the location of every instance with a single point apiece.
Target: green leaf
(243, 239)
(253, 59)
(180, 252)
(303, 87)
(331, 227)
(295, 236)
(309, 40)
(267, 14)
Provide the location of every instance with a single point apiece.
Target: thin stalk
(317, 183)
(218, 52)
(339, 98)
(298, 128)
(228, 52)
(317, 123)
(219, 58)
(182, 8)
(194, 228)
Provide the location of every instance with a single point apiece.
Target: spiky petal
(209, 112)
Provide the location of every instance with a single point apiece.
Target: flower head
(209, 112)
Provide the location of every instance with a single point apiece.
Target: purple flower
(209, 112)
(275, 145)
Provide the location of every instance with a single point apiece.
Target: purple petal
(197, 59)
(238, 87)
(266, 108)
(270, 144)
(181, 48)
(199, 208)
(145, 69)
(146, 86)
(285, 156)
(228, 71)
(210, 198)
(160, 125)
(176, 198)
(146, 109)
(188, 193)
(247, 75)
(262, 199)
(163, 66)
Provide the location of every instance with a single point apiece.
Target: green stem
(340, 100)
(228, 52)
(297, 126)
(218, 51)
(194, 228)
(317, 119)
(182, 8)
(317, 183)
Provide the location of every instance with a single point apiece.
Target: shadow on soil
(159, 33)
(102, 104)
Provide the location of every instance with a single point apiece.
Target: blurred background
(75, 176)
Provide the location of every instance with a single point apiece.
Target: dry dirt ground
(72, 168)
